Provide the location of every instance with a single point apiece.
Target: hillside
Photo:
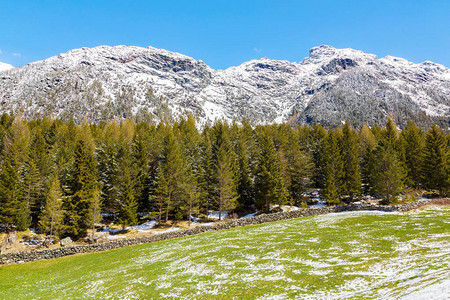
(369, 255)
(329, 86)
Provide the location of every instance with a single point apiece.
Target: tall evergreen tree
(127, 204)
(414, 143)
(297, 166)
(245, 186)
(333, 166)
(351, 174)
(207, 178)
(172, 172)
(13, 208)
(269, 182)
(226, 186)
(52, 215)
(84, 185)
(388, 173)
(367, 144)
(436, 161)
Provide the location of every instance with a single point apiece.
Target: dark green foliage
(351, 175)
(388, 173)
(52, 214)
(174, 171)
(269, 181)
(84, 186)
(333, 169)
(436, 161)
(413, 142)
(226, 183)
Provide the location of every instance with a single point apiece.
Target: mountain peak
(330, 85)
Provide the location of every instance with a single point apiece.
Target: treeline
(60, 176)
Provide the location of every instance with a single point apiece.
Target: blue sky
(227, 33)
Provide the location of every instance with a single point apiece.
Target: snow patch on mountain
(328, 86)
(4, 67)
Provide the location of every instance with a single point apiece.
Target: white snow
(249, 215)
(144, 226)
(5, 67)
(263, 90)
(215, 215)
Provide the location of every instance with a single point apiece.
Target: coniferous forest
(59, 176)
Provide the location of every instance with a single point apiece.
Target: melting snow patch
(215, 215)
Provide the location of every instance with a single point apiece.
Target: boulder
(9, 241)
(65, 242)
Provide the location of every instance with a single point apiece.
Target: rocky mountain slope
(329, 86)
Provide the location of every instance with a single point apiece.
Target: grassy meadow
(354, 255)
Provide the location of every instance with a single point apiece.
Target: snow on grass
(344, 255)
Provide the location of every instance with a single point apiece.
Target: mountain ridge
(328, 86)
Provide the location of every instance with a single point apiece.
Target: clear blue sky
(227, 33)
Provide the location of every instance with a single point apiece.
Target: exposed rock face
(329, 86)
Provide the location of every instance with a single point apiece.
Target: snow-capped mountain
(4, 67)
(329, 86)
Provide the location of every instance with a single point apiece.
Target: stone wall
(27, 256)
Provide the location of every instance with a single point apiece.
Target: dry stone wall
(27, 256)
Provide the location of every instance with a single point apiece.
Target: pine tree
(332, 167)
(388, 173)
(351, 174)
(108, 165)
(52, 215)
(226, 186)
(13, 208)
(436, 161)
(127, 204)
(193, 193)
(297, 166)
(84, 186)
(316, 148)
(172, 172)
(414, 142)
(207, 178)
(94, 209)
(160, 197)
(245, 186)
(141, 157)
(37, 173)
(367, 144)
(269, 182)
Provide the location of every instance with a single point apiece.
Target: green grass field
(345, 255)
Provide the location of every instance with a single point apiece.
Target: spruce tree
(127, 204)
(436, 161)
(297, 166)
(160, 196)
(269, 182)
(52, 215)
(367, 144)
(14, 209)
(173, 168)
(388, 172)
(84, 186)
(332, 166)
(226, 186)
(207, 178)
(414, 143)
(141, 156)
(351, 174)
(245, 186)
